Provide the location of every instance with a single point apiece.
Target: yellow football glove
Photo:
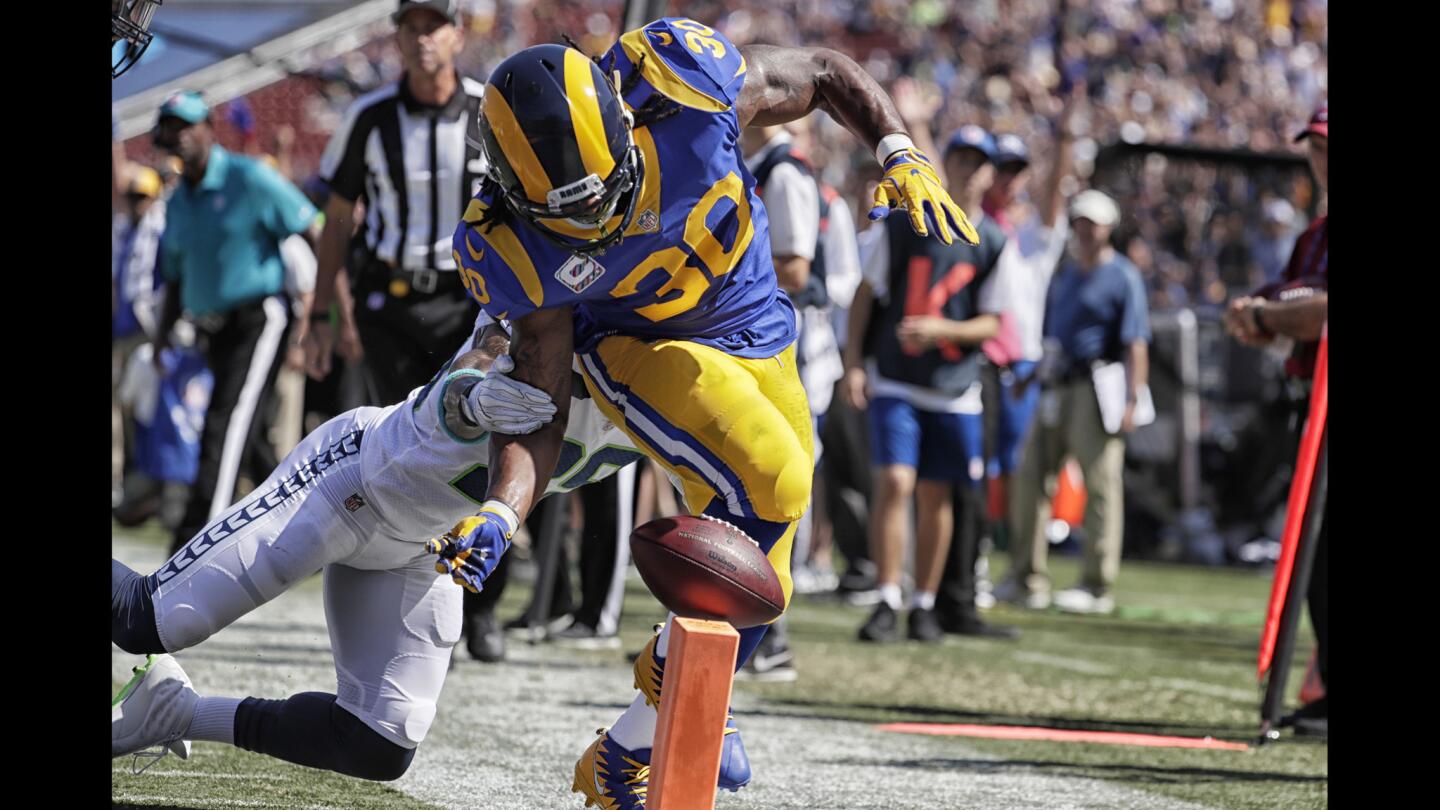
(910, 183)
(470, 551)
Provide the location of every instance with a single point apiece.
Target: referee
(233, 242)
(402, 149)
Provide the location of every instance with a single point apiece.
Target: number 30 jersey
(695, 261)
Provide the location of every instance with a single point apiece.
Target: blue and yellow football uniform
(682, 333)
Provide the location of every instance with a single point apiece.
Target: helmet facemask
(130, 21)
(591, 212)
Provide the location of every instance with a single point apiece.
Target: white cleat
(152, 711)
(1081, 600)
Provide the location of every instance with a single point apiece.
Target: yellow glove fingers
(887, 194)
(917, 215)
(961, 224)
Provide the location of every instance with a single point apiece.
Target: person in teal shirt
(231, 225)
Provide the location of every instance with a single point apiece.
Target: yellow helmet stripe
(516, 147)
(585, 114)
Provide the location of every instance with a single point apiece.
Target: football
(707, 569)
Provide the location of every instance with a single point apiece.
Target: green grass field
(1177, 659)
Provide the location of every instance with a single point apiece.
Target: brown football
(707, 569)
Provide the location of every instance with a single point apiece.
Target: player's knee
(132, 612)
(783, 493)
(368, 754)
(375, 758)
(186, 625)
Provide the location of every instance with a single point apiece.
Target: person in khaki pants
(1095, 314)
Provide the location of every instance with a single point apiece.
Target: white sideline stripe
(1061, 662)
(263, 777)
(1207, 689)
(193, 802)
(263, 357)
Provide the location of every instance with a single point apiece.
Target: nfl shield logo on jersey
(580, 272)
(649, 222)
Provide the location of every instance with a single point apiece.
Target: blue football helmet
(559, 144)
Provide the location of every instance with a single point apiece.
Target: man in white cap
(1095, 316)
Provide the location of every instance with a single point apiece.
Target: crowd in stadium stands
(1217, 74)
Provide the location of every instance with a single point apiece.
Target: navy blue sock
(767, 533)
(132, 612)
(310, 729)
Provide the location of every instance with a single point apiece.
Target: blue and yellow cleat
(734, 762)
(610, 777)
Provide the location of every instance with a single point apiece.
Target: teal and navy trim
(255, 508)
(441, 416)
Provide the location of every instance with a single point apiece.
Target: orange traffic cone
(1069, 501)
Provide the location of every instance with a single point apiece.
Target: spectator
(1035, 241)
(1096, 324)
(608, 513)
(844, 468)
(134, 287)
(962, 584)
(1297, 308)
(403, 149)
(850, 484)
(1276, 239)
(921, 379)
(786, 184)
(604, 557)
(222, 261)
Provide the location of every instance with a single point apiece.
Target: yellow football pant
(732, 430)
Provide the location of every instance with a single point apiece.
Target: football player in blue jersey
(618, 225)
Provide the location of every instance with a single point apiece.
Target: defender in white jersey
(357, 499)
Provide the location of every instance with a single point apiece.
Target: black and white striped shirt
(411, 164)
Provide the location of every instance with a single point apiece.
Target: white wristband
(503, 510)
(892, 143)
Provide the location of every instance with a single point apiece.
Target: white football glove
(495, 402)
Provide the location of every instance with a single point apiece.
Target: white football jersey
(422, 479)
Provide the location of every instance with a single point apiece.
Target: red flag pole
(1297, 504)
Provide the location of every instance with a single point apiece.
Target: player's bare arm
(542, 347)
(783, 84)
